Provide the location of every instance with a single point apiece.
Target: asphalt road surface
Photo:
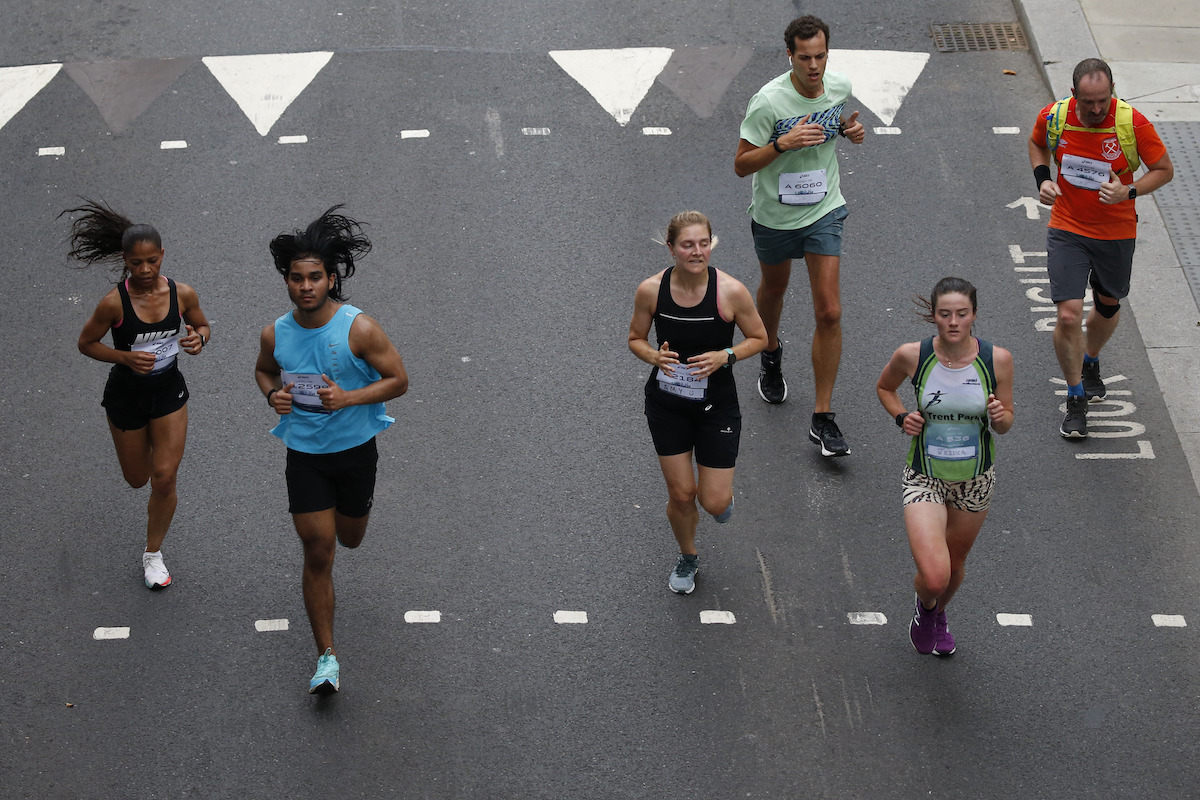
(512, 217)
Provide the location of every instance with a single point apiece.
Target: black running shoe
(825, 432)
(1074, 424)
(1093, 385)
(771, 385)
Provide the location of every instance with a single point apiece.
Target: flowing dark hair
(101, 234)
(334, 238)
(948, 285)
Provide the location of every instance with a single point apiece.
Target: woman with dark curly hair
(326, 369)
(151, 318)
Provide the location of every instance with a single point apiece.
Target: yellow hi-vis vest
(1056, 123)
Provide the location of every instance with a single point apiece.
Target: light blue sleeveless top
(304, 354)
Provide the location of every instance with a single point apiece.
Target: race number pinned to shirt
(165, 352)
(1086, 173)
(951, 442)
(683, 383)
(304, 391)
(803, 188)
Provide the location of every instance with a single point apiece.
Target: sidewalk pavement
(1153, 47)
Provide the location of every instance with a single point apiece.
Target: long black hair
(334, 238)
(101, 234)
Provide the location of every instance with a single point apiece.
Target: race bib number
(1086, 173)
(165, 352)
(951, 442)
(683, 383)
(802, 188)
(304, 391)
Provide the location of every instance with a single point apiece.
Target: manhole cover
(963, 37)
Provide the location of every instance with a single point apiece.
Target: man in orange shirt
(1093, 222)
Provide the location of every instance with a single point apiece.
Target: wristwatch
(732, 357)
(900, 419)
(1132, 191)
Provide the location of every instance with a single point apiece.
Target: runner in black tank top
(691, 331)
(691, 400)
(152, 319)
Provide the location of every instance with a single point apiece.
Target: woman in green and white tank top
(963, 388)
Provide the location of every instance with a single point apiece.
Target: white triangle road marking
(19, 85)
(618, 79)
(881, 78)
(265, 85)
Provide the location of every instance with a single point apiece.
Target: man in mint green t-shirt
(788, 141)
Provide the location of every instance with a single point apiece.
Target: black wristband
(775, 144)
(900, 420)
(273, 391)
(1041, 173)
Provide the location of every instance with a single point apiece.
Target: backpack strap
(1056, 123)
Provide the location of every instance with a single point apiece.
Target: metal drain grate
(964, 37)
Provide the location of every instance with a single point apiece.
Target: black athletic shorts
(131, 401)
(712, 431)
(344, 480)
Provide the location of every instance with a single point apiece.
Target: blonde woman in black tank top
(691, 399)
(153, 320)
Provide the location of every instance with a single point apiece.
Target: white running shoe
(155, 570)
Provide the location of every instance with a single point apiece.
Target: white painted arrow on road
(264, 86)
(1031, 206)
(19, 85)
(618, 79)
(881, 78)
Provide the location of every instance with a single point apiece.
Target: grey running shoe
(771, 385)
(725, 515)
(1074, 424)
(1093, 385)
(825, 432)
(683, 577)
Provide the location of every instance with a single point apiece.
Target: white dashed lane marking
(173, 144)
(1005, 130)
(1168, 620)
(264, 625)
(866, 618)
(422, 616)
(656, 131)
(717, 618)
(1023, 620)
(110, 633)
(570, 617)
(535, 131)
(52, 151)
(300, 139)
(415, 134)
(887, 131)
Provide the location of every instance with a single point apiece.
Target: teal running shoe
(325, 681)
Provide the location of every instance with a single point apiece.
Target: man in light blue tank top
(327, 369)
